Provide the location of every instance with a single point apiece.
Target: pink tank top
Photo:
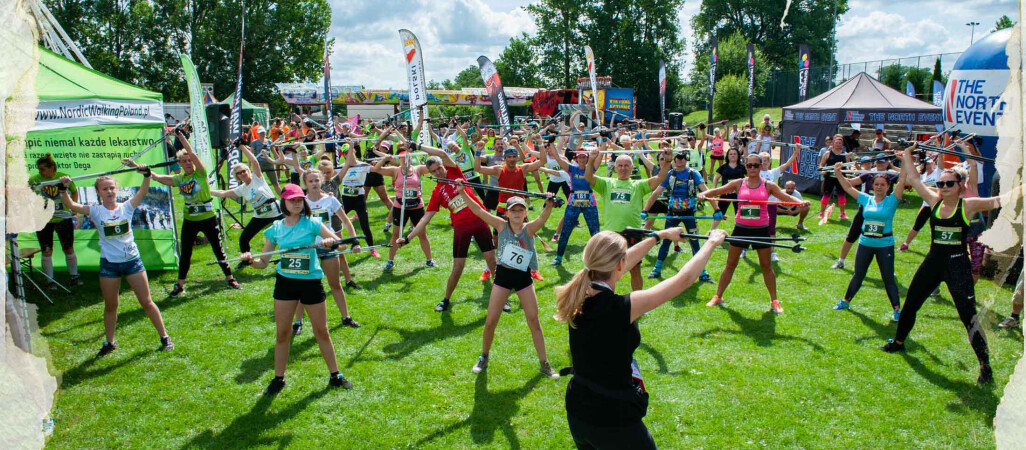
(409, 187)
(752, 215)
(716, 147)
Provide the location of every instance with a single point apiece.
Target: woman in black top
(606, 400)
(726, 173)
(830, 185)
(947, 260)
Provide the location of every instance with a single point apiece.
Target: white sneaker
(743, 252)
(773, 257)
(839, 264)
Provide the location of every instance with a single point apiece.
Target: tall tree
(732, 59)
(560, 40)
(810, 22)
(1002, 23)
(517, 64)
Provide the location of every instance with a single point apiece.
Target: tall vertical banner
(803, 71)
(910, 90)
(235, 121)
(712, 75)
(494, 86)
(327, 88)
(938, 93)
(590, 56)
(418, 84)
(751, 83)
(200, 130)
(662, 92)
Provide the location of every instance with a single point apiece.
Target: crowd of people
(309, 186)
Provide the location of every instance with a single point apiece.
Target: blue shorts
(122, 269)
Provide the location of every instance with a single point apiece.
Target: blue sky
(454, 33)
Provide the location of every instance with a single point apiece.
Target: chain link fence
(782, 86)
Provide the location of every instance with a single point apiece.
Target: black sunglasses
(948, 183)
(753, 165)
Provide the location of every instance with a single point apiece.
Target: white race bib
(457, 204)
(516, 257)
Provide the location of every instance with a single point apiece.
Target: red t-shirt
(449, 194)
(510, 179)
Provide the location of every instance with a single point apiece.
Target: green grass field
(733, 376)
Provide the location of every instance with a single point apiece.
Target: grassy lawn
(719, 377)
(695, 117)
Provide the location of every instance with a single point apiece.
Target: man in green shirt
(62, 223)
(623, 199)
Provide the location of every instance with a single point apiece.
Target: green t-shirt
(623, 202)
(309, 163)
(196, 191)
(465, 159)
(50, 193)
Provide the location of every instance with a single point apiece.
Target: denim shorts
(122, 269)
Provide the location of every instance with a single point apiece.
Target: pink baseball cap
(387, 144)
(292, 191)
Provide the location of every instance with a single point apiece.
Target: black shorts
(491, 200)
(461, 237)
(659, 207)
(412, 216)
(632, 238)
(373, 180)
(718, 158)
(512, 279)
(308, 292)
(554, 188)
(742, 232)
(65, 232)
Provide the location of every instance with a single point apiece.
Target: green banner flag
(200, 133)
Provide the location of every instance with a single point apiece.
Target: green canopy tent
(89, 121)
(250, 112)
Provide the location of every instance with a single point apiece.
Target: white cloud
(452, 35)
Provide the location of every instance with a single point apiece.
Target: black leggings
(211, 230)
(724, 205)
(832, 186)
(885, 261)
(855, 230)
(359, 203)
(956, 272)
(587, 436)
(255, 225)
(921, 218)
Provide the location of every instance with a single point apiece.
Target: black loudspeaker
(676, 120)
(218, 116)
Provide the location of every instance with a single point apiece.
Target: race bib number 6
(115, 228)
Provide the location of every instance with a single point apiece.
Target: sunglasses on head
(947, 183)
(753, 165)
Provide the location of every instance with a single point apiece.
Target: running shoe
(903, 248)
(166, 345)
(896, 315)
(775, 306)
(821, 214)
(176, 291)
(716, 301)
(676, 248)
(485, 275)
(76, 281)
(844, 216)
(352, 285)
(481, 365)
(705, 277)
(655, 273)
(744, 252)
(389, 265)
(337, 380)
(801, 226)
(374, 253)
(388, 227)
(936, 292)
(51, 286)
(556, 261)
(774, 257)
(106, 348)
(546, 369)
(277, 384)
(234, 284)
(297, 328)
(839, 264)
(555, 238)
(841, 305)
(1010, 322)
(893, 347)
(537, 275)
(430, 263)
(986, 374)
(442, 306)
(349, 322)
(507, 308)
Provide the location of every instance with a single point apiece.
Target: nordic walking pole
(338, 243)
(112, 172)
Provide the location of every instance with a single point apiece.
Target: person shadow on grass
(492, 411)
(762, 331)
(245, 430)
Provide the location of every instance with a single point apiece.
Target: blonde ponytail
(602, 254)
